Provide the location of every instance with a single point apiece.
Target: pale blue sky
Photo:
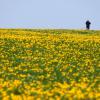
(69, 14)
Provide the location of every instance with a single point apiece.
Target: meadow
(49, 64)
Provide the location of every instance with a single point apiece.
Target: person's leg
(87, 27)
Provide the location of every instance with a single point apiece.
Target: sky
(67, 14)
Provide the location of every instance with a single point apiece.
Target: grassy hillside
(49, 64)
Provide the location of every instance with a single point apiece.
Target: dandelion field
(49, 64)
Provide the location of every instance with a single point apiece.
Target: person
(88, 24)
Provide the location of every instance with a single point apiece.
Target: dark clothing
(88, 25)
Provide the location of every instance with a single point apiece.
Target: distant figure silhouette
(88, 24)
